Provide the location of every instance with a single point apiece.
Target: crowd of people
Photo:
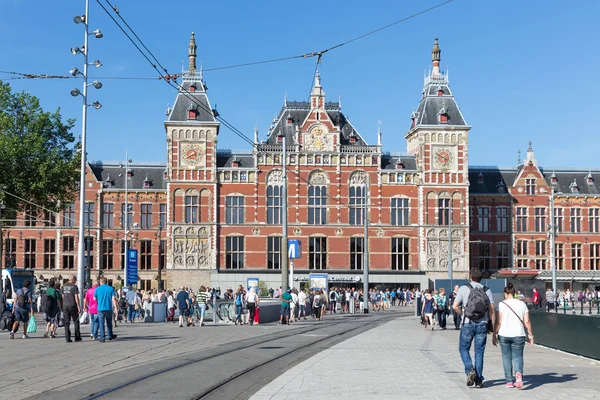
(565, 299)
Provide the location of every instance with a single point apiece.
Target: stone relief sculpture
(359, 178)
(318, 178)
(275, 177)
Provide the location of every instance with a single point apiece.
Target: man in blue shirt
(183, 302)
(106, 298)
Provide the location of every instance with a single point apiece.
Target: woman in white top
(252, 303)
(509, 331)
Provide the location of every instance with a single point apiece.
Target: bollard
(581, 303)
(598, 306)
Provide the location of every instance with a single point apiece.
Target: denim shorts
(21, 315)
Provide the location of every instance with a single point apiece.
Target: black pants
(456, 319)
(252, 310)
(69, 314)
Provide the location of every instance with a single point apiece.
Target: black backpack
(22, 298)
(47, 303)
(477, 303)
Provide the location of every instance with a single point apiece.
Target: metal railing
(584, 307)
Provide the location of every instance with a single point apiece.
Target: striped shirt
(550, 296)
(201, 298)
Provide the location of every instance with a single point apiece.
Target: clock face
(191, 154)
(443, 157)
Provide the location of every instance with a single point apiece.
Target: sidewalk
(401, 360)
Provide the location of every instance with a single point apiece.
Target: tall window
(356, 253)
(358, 202)
(400, 254)
(129, 214)
(540, 219)
(530, 187)
(29, 253)
(146, 215)
(443, 211)
(88, 214)
(161, 254)
(559, 256)
(540, 251)
(49, 218)
(123, 259)
(483, 219)
(317, 253)
(575, 220)
(502, 255)
(576, 258)
(69, 215)
(274, 252)
(30, 216)
(108, 254)
(595, 256)
(10, 250)
(68, 246)
(521, 219)
(400, 211)
(49, 253)
(162, 216)
(502, 219)
(317, 204)
(234, 210)
(274, 199)
(594, 214)
(521, 253)
(108, 212)
(558, 219)
(191, 209)
(89, 248)
(145, 254)
(234, 252)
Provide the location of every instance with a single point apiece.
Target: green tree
(39, 160)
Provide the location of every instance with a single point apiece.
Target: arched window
(191, 207)
(400, 211)
(359, 182)
(274, 197)
(317, 198)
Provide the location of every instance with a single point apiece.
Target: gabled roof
(431, 105)
(389, 162)
(493, 179)
(114, 172)
(197, 100)
(565, 178)
(225, 159)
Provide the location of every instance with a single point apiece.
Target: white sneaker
(25, 337)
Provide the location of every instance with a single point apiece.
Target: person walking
(428, 308)
(455, 316)
(511, 330)
(71, 308)
(550, 296)
(170, 307)
(286, 299)
(442, 308)
(107, 301)
(252, 303)
(22, 308)
(90, 305)
(132, 301)
(302, 304)
(202, 299)
(50, 308)
(238, 301)
(183, 304)
(477, 310)
(536, 300)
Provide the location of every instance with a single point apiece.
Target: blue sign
(252, 283)
(132, 267)
(294, 249)
(319, 281)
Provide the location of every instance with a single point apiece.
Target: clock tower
(438, 138)
(191, 130)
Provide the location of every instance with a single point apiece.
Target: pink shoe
(510, 385)
(518, 380)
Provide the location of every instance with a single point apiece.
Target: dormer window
(414, 116)
(235, 163)
(501, 187)
(192, 88)
(399, 165)
(589, 178)
(108, 182)
(147, 183)
(443, 115)
(165, 174)
(192, 111)
(480, 178)
(573, 186)
(353, 137)
(553, 179)
(440, 91)
(129, 173)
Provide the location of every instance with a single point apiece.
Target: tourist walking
(286, 299)
(302, 304)
(90, 305)
(251, 303)
(170, 307)
(477, 310)
(442, 308)
(428, 308)
(550, 296)
(202, 299)
(22, 308)
(511, 330)
(536, 300)
(183, 304)
(71, 308)
(51, 309)
(238, 301)
(133, 301)
(107, 301)
(455, 316)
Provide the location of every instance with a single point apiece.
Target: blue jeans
(238, 312)
(95, 325)
(512, 355)
(131, 312)
(468, 332)
(106, 317)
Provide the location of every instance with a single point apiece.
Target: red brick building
(211, 216)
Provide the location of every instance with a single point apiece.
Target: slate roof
(225, 160)
(389, 162)
(184, 100)
(492, 177)
(298, 111)
(431, 105)
(154, 173)
(566, 177)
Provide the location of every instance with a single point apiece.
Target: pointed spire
(436, 57)
(317, 95)
(530, 156)
(378, 133)
(285, 98)
(518, 157)
(256, 134)
(192, 53)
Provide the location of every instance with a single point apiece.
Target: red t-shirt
(536, 297)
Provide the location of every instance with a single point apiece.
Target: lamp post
(125, 216)
(2, 207)
(83, 19)
(284, 212)
(160, 258)
(366, 255)
(552, 234)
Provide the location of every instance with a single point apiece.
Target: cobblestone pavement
(401, 360)
(38, 364)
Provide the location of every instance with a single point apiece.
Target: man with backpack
(21, 309)
(477, 311)
(71, 308)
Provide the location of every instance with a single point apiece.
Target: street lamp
(126, 215)
(83, 19)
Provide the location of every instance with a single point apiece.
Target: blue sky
(520, 70)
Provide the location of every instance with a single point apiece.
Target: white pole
(552, 241)
(284, 222)
(81, 243)
(126, 216)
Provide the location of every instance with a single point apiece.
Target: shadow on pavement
(533, 381)
(127, 338)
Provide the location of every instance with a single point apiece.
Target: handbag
(522, 322)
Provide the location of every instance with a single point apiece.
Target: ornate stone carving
(379, 232)
(318, 139)
(275, 177)
(432, 248)
(359, 178)
(297, 232)
(255, 231)
(338, 232)
(318, 178)
(431, 263)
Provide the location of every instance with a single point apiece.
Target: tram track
(251, 348)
